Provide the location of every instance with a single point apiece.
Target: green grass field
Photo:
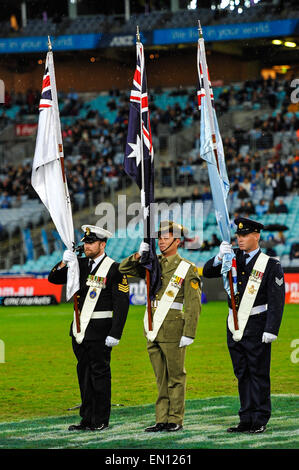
(39, 384)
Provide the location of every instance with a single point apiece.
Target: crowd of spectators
(266, 156)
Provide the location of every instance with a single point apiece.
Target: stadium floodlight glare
(224, 3)
(192, 5)
(290, 44)
(240, 10)
(277, 42)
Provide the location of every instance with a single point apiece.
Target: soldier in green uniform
(175, 313)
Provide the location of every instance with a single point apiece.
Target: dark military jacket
(115, 297)
(271, 291)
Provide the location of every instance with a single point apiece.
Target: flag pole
(61, 159)
(145, 228)
(214, 142)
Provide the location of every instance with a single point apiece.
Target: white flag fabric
(48, 178)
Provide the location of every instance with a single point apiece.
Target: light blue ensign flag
(219, 181)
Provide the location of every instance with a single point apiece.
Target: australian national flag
(139, 163)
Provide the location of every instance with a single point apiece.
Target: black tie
(90, 265)
(245, 257)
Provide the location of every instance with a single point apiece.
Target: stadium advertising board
(226, 32)
(158, 36)
(17, 291)
(292, 288)
(25, 130)
(40, 43)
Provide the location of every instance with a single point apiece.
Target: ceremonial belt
(255, 310)
(91, 298)
(174, 305)
(166, 302)
(102, 314)
(249, 296)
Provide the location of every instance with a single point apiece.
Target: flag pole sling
(61, 159)
(149, 306)
(209, 104)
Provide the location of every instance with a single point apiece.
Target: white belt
(255, 310)
(175, 305)
(102, 314)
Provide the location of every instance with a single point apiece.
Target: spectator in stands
(282, 207)
(206, 194)
(294, 253)
(195, 194)
(214, 241)
(271, 207)
(242, 193)
(242, 209)
(261, 208)
(5, 200)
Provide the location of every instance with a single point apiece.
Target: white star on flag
(136, 151)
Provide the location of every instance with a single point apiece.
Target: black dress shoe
(78, 427)
(172, 427)
(98, 428)
(242, 427)
(257, 429)
(156, 427)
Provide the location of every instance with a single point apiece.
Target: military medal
(96, 281)
(176, 281)
(256, 275)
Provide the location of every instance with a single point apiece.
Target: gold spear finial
(137, 34)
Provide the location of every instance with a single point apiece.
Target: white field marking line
(145, 413)
(250, 439)
(33, 429)
(208, 408)
(272, 443)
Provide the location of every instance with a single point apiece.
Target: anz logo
(127, 40)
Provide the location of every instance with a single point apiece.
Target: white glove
(268, 338)
(143, 247)
(69, 256)
(224, 248)
(110, 341)
(185, 341)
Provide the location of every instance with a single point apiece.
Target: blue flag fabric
(139, 164)
(218, 177)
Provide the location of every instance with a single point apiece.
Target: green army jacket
(189, 294)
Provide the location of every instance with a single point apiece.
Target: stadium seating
(122, 244)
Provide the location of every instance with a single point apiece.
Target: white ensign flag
(48, 177)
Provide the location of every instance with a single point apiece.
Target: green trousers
(168, 363)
